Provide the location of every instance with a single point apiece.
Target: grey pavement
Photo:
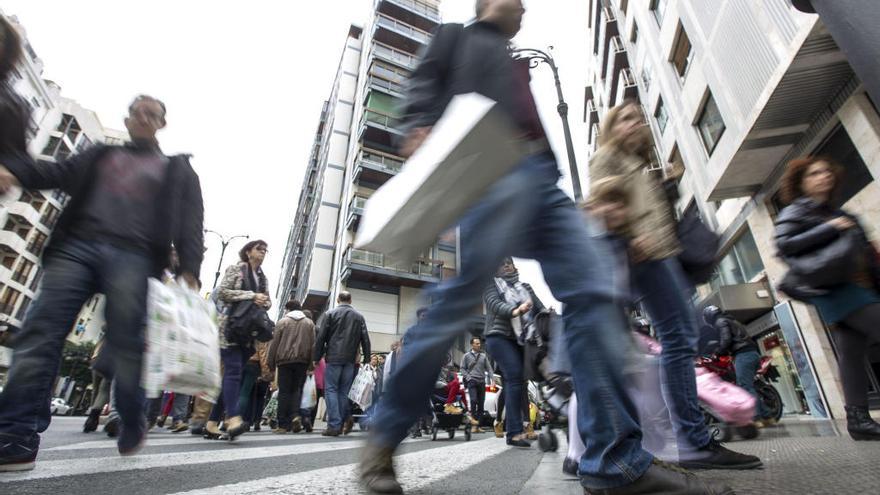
(801, 457)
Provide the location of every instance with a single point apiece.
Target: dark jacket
(14, 118)
(499, 312)
(459, 60)
(802, 228)
(179, 215)
(341, 332)
(732, 335)
(294, 340)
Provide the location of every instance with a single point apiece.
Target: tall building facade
(733, 90)
(58, 128)
(354, 154)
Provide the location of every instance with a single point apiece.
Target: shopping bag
(182, 349)
(469, 149)
(309, 394)
(362, 389)
(727, 401)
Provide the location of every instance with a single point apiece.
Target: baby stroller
(546, 364)
(447, 422)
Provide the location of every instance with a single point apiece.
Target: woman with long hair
(14, 111)
(243, 282)
(851, 299)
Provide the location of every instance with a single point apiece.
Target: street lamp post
(535, 57)
(224, 243)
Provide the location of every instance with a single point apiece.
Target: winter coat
(260, 357)
(232, 290)
(294, 340)
(499, 312)
(341, 332)
(649, 207)
(14, 118)
(732, 335)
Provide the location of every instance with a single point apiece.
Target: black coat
(499, 312)
(802, 228)
(14, 118)
(732, 336)
(179, 216)
(459, 61)
(341, 332)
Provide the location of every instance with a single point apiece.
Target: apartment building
(733, 90)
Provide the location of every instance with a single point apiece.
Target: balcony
(385, 86)
(423, 15)
(380, 128)
(745, 302)
(355, 212)
(383, 52)
(617, 61)
(592, 115)
(399, 34)
(375, 168)
(627, 86)
(608, 31)
(369, 267)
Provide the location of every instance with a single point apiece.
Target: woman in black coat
(14, 111)
(834, 267)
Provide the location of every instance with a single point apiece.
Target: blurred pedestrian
(14, 111)
(626, 150)
(100, 392)
(243, 282)
(476, 369)
(290, 353)
(813, 230)
(128, 205)
(343, 330)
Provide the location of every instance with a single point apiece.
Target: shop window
(661, 115)
(840, 148)
(710, 124)
(658, 7)
(682, 52)
(740, 265)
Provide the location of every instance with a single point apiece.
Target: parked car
(59, 406)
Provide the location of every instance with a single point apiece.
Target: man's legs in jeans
(332, 385)
(68, 282)
(525, 214)
(665, 292)
(346, 378)
(746, 364)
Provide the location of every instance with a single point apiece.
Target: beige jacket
(650, 213)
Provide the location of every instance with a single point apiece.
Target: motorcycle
(723, 366)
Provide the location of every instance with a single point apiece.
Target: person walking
(659, 281)
(100, 390)
(243, 282)
(290, 353)
(812, 230)
(476, 369)
(254, 380)
(524, 214)
(343, 330)
(14, 110)
(128, 205)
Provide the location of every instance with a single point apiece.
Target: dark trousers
(852, 337)
(233, 358)
(291, 378)
(477, 393)
(75, 270)
(508, 354)
(247, 392)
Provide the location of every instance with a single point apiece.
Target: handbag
(699, 245)
(830, 265)
(247, 321)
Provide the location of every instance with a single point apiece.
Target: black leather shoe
(716, 456)
(570, 466)
(92, 421)
(518, 441)
(666, 478)
(111, 428)
(860, 425)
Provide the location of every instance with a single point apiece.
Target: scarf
(516, 293)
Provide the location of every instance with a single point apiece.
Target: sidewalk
(800, 457)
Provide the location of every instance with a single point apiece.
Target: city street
(798, 459)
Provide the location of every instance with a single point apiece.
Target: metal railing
(422, 267)
(392, 55)
(357, 204)
(403, 28)
(391, 165)
(617, 45)
(627, 78)
(381, 119)
(423, 8)
(378, 82)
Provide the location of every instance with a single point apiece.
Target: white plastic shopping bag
(309, 394)
(182, 352)
(470, 148)
(362, 389)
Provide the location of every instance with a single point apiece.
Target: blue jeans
(526, 215)
(337, 383)
(509, 356)
(75, 270)
(665, 293)
(179, 407)
(746, 364)
(233, 358)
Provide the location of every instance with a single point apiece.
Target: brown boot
(530, 432)
(377, 471)
(499, 429)
(347, 426)
(235, 427)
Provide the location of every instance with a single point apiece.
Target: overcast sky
(244, 83)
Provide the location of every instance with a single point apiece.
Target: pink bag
(730, 403)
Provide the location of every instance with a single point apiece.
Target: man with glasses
(128, 205)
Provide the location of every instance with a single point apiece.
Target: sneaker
(716, 456)
(666, 478)
(15, 456)
(296, 425)
(331, 432)
(280, 431)
(451, 409)
(131, 440)
(377, 471)
(197, 429)
(112, 428)
(91, 423)
(570, 466)
(179, 427)
(348, 425)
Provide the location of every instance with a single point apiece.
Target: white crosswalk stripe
(182, 439)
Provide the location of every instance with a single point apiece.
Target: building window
(36, 281)
(19, 225)
(623, 6)
(50, 216)
(8, 299)
(646, 75)
(35, 199)
(682, 52)
(9, 258)
(661, 115)
(856, 176)
(710, 124)
(658, 7)
(740, 265)
(38, 241)
(634, 36)
(23, 271)
(22, 310)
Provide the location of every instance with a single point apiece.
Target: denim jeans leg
(246, 389)
(509, 357)
(346, 379)
(68, 282)
(233, 358)
(665, 292)
(746, 364)
(124, 282)
(179, 407)
(332, 377)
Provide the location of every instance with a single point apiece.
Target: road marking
(183, 439)
(94, 465)
(414, 470)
